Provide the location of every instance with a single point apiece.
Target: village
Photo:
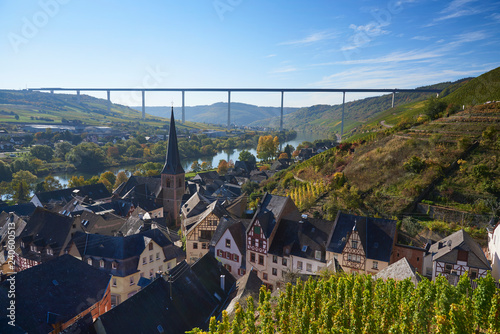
(165, 254)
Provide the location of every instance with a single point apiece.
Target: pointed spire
(173, 163)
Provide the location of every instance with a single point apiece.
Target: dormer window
(22, 244)
(33, 248)
(317, 255)
(114, 265)
(101, 263)
(355, 244)
(49, 251)
(89, 261)
(150, 246)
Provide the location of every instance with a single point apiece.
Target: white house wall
(494, 252)
(233, 249)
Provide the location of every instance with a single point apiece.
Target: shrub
(414, 165)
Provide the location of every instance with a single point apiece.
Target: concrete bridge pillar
(109, 101)
(393, 93)
(78, 97)
(342, 123)
(281, 119)
(183, 111)
(143, 104)
(228, 110)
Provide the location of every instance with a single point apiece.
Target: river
(186, 164)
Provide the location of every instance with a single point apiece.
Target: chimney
(222, 282)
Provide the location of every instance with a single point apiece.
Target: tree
(87, 157)
(283, 156)
(267, 147)
(61, 149)
(120, 178)
(50, 183)
(223, 167)
(42, 152)
(206, 165)
(22, 184)
(76, 181)
(5, 171)
(414, 165)
(289, 150)
(247, 156)
(249, 187)
(434, 107)
(108, 179)
(195, 167)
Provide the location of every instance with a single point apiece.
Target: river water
(186, 164)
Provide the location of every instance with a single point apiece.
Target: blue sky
(245, 44)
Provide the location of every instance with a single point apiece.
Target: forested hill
(241, 113)
(328, 118)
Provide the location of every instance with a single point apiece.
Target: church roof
(173, 163)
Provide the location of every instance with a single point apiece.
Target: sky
(244, 44)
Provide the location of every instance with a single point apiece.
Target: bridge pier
(228, 110)
(342, 124)
(78, 97)
(183, 111)
(109, 101)
(143, 104)
(393, 94)
(281, 119)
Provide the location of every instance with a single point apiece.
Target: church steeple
(173, 162)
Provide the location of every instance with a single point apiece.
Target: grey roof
(93, 192)
(107, 224)
(23, 210)
(173, 164)
(377, 235)
(214, 208)
(188, 301)
(195, 205)
(446, 250)
(246, 286)
(399, 271)
(313, 233)
(6, 221)
(64, 287)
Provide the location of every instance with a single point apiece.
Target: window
(256, 230)
(261, 260)
(252, 257)
(228, 267)
(236, 258)
(228, 256)
(304, 248)
(131, 280)
(151, 273)
(101, 263)
(375, 265)
(150, 246)
(203, 245)
(275, 272)
(241, 272)
(275, 259)
(317, 255)
(219, 253)
(22, 244)
(261, 243)
(473, 273)
(49, 251)
(89, 261)
(256, 242)
(447, 268)
(284, 262)
(299, 265)
(33, 248)
(158, 256)
(113, 265)
(228, 243)
(195, 245)
(309, 267)
(114, 281)
(151, 258)
(144, 260)
(355, 244)
(264, 276)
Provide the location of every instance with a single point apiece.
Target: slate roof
(246, 286)
(376, 234)
(445, 250)
(64, 286)
(107, 224)
(214, 208)
(22, 210)
(46, 228)
(195, 205)
(173, 164)
(311, 234)
(93, 192)
(188, 305)
(5, 220)
(399, 271)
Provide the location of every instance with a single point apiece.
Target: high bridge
(282, 91)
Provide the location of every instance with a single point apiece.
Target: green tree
(195, 167)
(5, 171)
(120, 178)
(108, 179)
(247, 156)
(42, 152)
(414, 165)
(267, 147)
(87, 157)
(61, 149)
(206, 165)
(434, 107)
(23, 182)
(289, 150)
(50, 183)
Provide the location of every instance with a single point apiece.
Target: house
(127, 258)
(200, 229)
(24, 210)
(94, 193)
(362, 244)
(246, 286)
(229, 243)
(453, 256)
(298, 248)
(44, 238)
(173, 303)
(399, 271)
(262, 229)
(54, 295)
(11, 226)
(494, 250)
(414, 255)
(106, 224)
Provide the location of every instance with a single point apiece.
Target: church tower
(172, 177)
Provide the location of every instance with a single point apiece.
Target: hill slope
(241, 113)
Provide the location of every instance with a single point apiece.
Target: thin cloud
(312, 38)
(394, 57)
(458, 8)
(422, 38)
(270, 56)
(284, 70)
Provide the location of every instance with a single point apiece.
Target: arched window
(168, 182)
